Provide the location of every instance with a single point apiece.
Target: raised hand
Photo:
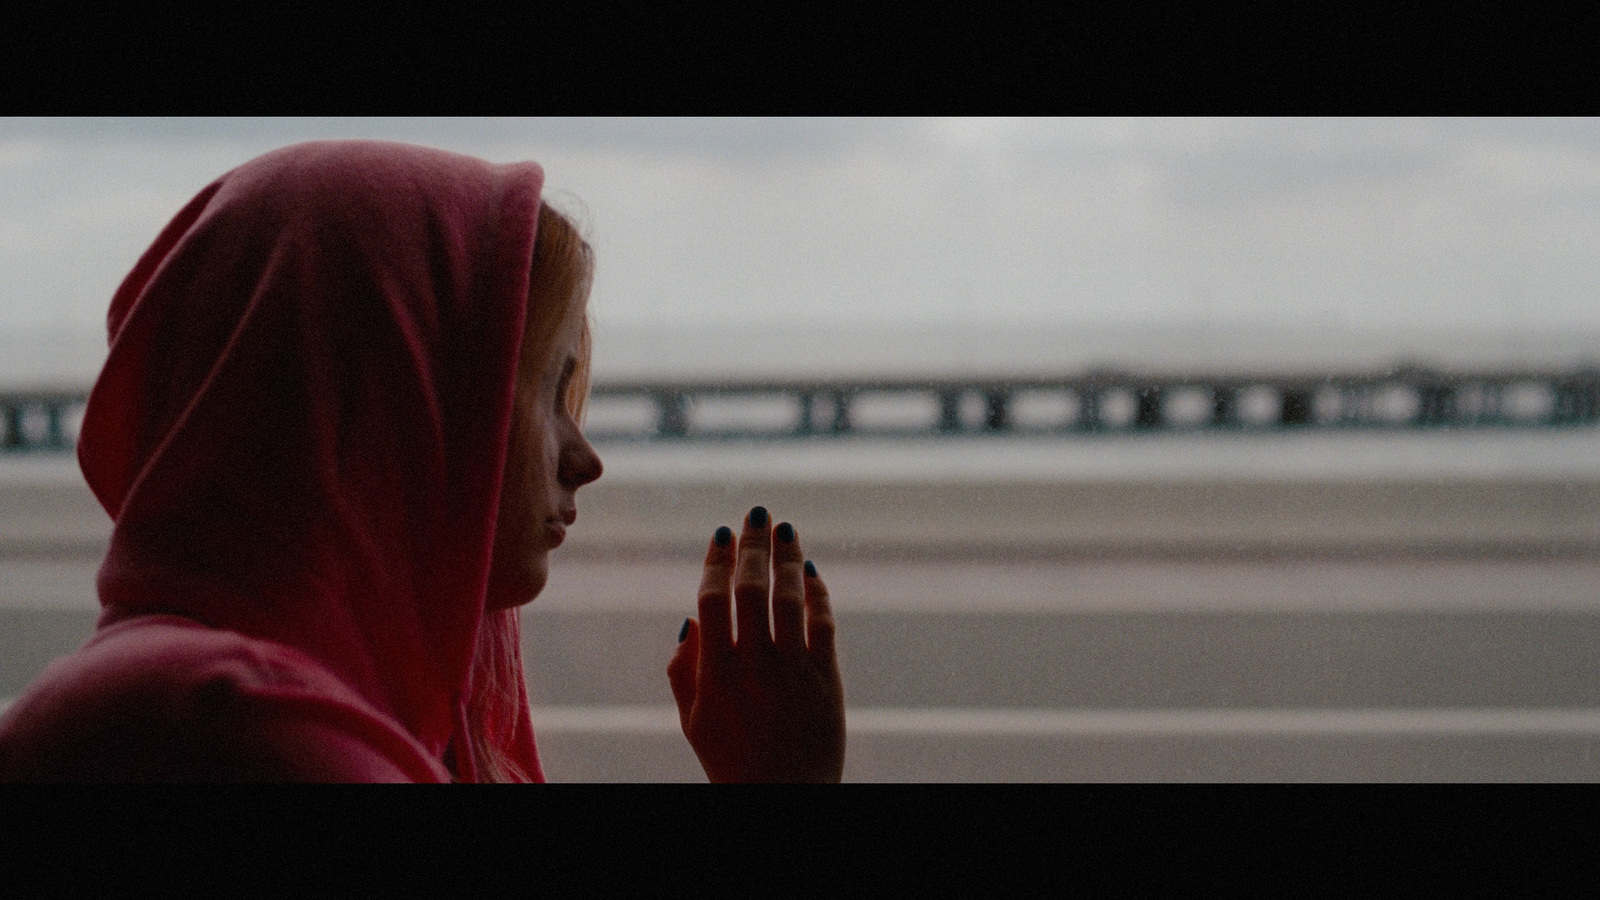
(769, 704)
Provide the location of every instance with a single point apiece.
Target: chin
(508, 590)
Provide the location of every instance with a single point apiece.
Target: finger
(683, 672)
(715, 628)
(752, 579)
(819, 619)
(788, 590)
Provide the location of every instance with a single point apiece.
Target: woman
(338, 435)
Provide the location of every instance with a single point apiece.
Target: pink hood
(301, 429)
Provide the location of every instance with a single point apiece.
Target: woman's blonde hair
(558, 289)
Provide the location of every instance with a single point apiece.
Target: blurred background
(1198, 603)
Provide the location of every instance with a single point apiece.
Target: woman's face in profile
(547, 460)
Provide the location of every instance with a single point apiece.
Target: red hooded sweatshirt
(300, 435)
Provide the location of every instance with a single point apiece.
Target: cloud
(1221, 163)
(724, 139)
(920, 220)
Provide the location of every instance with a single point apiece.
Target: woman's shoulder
(171, 666)
(164, 698)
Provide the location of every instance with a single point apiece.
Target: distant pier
(1084, 403)
(1099, 401)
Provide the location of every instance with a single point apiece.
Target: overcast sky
(883, 224)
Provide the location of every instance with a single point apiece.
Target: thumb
(683, 672)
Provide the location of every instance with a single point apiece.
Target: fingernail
(785, 533)
(683, 633)
(811, 569)
(723, 536)
(758, 517)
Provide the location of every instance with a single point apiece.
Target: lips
(556, 531)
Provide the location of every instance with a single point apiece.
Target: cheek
(537, 482)
(516, 490)
(520, 560)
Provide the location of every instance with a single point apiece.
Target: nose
(580, 464)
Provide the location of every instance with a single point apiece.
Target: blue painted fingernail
(811, 569)
(758, 517)
(785, 533)
(683, 632)
(724, 536)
